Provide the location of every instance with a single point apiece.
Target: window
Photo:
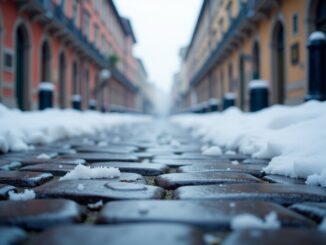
(295, 21)
(221, 25)
(229, 10)
(8, 60)
(96, 35)
(75, 11)
(86, 24)
(104, 45)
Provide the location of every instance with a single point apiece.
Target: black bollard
(258, 90)
(317, 62)
(103, 109)
(76, 102)
(92, 104)
(213, 105)
(203, 107)
(229, 100)
(46, 95)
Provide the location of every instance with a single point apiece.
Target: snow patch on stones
(23, 196)
(43, 156)
(96, 205)
(212, 151)
(85, 172)
(249, 221)
(293, 137)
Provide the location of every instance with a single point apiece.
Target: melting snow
(85, 172)
(26, 195)
(212, 151)
(80, 187)
(96, 205)
(293, 137)
(248, 221)
(43, 156)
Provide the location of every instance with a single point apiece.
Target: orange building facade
(66, 43)
(236, 41)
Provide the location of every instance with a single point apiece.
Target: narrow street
(168, 192)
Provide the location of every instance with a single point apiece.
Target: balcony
(56, 22)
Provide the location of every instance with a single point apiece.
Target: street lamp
(105, 75)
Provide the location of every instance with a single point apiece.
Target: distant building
(67, 43)
(146, 96)
(235, 41)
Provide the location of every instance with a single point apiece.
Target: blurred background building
(68, 44)
(236, 41)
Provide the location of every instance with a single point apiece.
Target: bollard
(258, 91)
(213, 105)
(76, 102)
(46, 95)
(92, 104)
(229, 100)
(203, 107)
(103, 109)
(317, 62)
(195, 109)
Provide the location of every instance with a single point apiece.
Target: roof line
(200, 16)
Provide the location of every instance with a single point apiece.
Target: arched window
(62, 80)
(75, 78)
(45, 62)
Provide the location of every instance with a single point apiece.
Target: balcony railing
(56, 13)
(246, 11)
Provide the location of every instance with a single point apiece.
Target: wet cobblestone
(167, 193)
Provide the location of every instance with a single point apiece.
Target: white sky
(161, 28)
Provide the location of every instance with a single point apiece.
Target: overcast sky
(161, 28)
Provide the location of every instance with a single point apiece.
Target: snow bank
(294, 138)
(85, 172)
(19, 130)
(26, 195)
(249, 221)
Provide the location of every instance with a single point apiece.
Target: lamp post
(105, 75)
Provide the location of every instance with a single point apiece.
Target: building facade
(236, 41)
(66, 43)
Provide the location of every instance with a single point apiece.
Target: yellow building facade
(236, 41)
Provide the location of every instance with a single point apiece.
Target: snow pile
(26, 195)
(249, 221)
(85, 172)
(294, 138)
(19, 130)
(96, 205)
(212, 151)
(80, 187)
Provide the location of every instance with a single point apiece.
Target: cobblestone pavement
(168, 193)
